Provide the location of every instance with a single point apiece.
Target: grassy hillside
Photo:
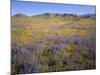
(52, 42)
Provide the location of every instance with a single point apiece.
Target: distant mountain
(89, 16)
(55, 15)
(47, 15)
(20, 15)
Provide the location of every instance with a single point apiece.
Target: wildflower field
(52, 42)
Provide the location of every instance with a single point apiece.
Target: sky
(35, 8)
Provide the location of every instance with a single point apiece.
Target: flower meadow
(52, 43)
